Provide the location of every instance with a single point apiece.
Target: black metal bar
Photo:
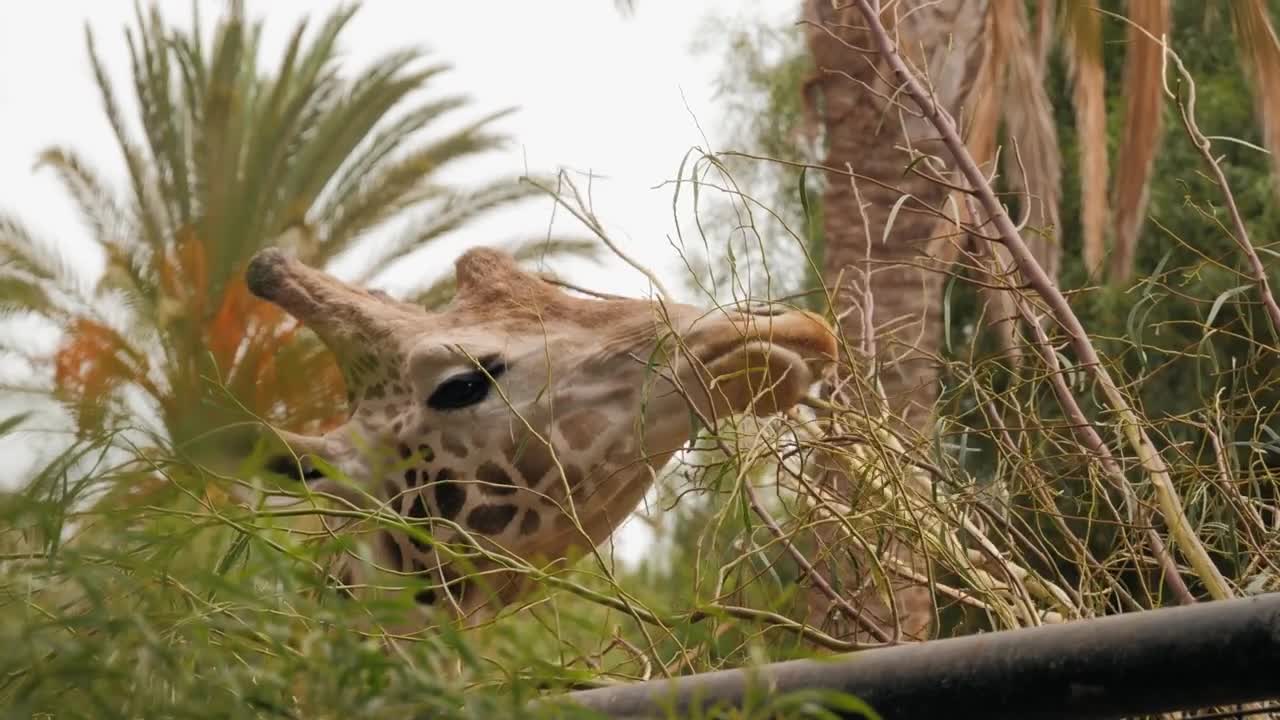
(1214, 653)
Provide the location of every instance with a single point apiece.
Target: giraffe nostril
(264, 271)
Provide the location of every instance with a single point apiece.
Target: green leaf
(11, 423)
(946, 309)
(1220, 300)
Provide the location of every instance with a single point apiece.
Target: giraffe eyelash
(469, 388)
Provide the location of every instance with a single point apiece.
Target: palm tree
(987, 61)
(883, 281)
(235, 157)
(1144, 86)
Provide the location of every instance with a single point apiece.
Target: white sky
(623, 97)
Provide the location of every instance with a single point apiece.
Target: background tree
(1140, 324)
(237, 156)
(1007, 62)
(195, 609)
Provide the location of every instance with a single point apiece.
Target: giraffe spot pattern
(582, 428)
(621, 450)
(393, 550)
(418, 510)
(530, 523)
(491, 519)
(457, 587)
(622, 396)
(344, 585)
(577, 484)
(494, 480)
(572, 479)
(531, 458)
(449, 495)
(453, 445)
(564, 519)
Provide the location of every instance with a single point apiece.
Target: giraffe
(519, 419)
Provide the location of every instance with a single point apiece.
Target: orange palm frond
(1084, 60)
(184, 272)
(1031, 157)
(92, 362)
(983, 124)
(239, 316)
(268, 365)
(1140, 134)
(1045, 31)
(305, 384)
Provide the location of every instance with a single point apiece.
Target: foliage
(765, 67)
(1188, 337)
(217, 610)
(198, 606)
(235, 157)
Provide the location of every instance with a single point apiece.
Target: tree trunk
(866, 132)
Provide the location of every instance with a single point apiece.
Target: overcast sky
(624, 97)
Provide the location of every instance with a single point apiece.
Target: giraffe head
(529, 418)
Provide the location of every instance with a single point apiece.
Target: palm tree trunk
(870, 136)
(889, 278)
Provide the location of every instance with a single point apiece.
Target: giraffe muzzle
(265, 272)
(755, 361)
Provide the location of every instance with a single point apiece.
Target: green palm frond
(453, 209)
(99, 208)
(394, 185)
(162, 124)
(21, 252)
(542, 248)
(132, 154)
(382, 144)
(348, 121)
(232, 156)
(22, 295)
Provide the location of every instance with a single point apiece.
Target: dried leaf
(1260, 56)
(1083, 26)
(1140, 133)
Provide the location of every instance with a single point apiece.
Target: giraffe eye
(466, 389)
(287, 466)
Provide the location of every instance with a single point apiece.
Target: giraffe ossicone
(519, 420)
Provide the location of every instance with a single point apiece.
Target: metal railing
(1182, 658)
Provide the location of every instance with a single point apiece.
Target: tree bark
(892, 277)
(865, 131)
